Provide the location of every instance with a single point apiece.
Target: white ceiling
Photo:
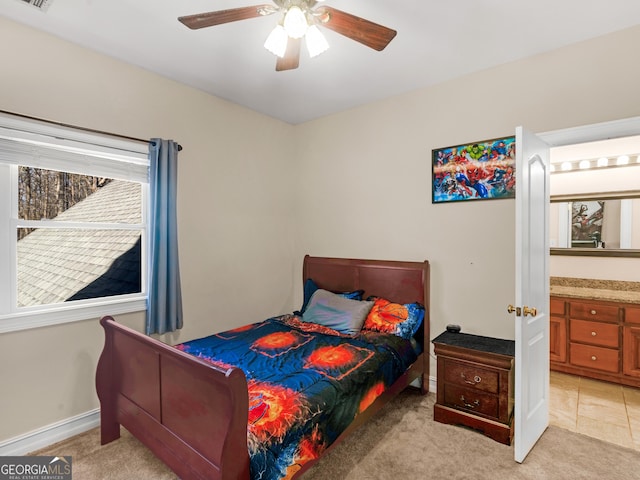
(436, 41)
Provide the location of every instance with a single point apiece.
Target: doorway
(595, 408)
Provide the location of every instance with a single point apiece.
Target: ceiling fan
(299, 19)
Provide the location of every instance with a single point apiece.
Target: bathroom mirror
(598, 224)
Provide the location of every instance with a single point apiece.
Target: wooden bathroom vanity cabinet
(596, 338)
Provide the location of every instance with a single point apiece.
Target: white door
(531, 409)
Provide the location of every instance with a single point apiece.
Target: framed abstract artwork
(474, 171)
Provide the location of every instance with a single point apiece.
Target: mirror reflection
(607, 224)
(595, 195)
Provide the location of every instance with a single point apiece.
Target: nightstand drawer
(471, 400)
(471, 376)
(599, 358)
(594, 333)
(594, 311)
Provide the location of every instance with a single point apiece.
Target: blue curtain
(164, 304)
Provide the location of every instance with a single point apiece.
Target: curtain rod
(85, 129)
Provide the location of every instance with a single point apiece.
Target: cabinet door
(557, 339)
(556, 306)
(632, 315)
(631, 351)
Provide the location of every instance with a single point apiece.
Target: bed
(195, 412)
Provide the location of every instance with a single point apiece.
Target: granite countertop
(585, 288)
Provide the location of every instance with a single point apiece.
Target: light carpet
(401, 442)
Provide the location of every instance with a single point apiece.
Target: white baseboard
(433, 383)
(45, 436)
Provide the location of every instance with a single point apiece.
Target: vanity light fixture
(596, 164)
(623, 160)
(584, 164)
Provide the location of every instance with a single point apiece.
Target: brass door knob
(529, 311)
(512, 309)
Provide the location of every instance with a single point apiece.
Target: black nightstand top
(477, 342)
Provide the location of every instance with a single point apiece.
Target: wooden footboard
(192, 415)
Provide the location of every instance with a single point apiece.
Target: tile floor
(598, 409)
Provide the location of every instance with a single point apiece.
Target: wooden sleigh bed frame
(192, 415)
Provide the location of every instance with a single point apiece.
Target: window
(73, 217)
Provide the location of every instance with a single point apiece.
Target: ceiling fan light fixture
(297, 17)
(316, 42)
(276, 42)
(295, 22)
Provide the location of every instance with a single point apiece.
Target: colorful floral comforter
(306, 384)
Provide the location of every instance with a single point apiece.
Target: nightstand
(475, 383)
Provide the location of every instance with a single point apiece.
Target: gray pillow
(336, 312)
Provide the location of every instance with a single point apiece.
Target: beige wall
(235, 210)
(376, 159)
(257, 194)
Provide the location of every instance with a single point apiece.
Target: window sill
(59, 315)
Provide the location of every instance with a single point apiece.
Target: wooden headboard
(399, 282)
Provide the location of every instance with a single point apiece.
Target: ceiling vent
(39, 4)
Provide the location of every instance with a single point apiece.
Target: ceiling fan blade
(368, 33)
(201, 20)
(291, 57)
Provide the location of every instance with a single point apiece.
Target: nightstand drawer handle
(593, 312)
(476, 379)
(476, 403)
(594, 358)
(593, 334)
